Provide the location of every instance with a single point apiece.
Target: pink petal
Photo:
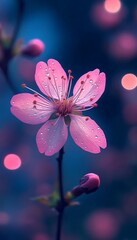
(23, 108)
(87, 134)
(93, 87)
(49, 79)
(52, 136)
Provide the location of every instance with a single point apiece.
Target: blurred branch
(18, 22)
(62, 202)
(7, 50)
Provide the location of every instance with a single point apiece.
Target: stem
(62, 202)
(4, 68)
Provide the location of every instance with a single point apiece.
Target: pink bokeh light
(40, 236)
(4, 218)
(123, 46)
(112, 6)
(103, 225)
(12, 161)
(129, 81)
(106, 19)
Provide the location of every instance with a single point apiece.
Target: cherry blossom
(58, 110)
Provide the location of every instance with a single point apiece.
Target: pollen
(95, 105)
(34, 102)
(23, 85)
(88, 75)
(69, 71)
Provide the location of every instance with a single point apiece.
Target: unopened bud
(88, 183)
(34, 48)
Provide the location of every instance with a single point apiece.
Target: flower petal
(87, 134)
(52, 136)
(92, 85)
(49, 79)
(24, 109)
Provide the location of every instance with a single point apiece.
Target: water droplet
(85, 147)
(47, 74)
(91, 81)
(48, 129)
(81, 143)
(41, 133)
(98, 128)
(96, 136)
(40, 66)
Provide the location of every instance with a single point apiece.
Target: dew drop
(98, 128)
(96, 136)
(41, 133)
(91, 81)
(85, 147)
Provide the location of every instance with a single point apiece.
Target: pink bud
(34, 48)
(88, 184)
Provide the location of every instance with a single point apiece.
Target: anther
(88, 76)
(95, 105)
(69, 71)
(34, 102)
(23, 85)
(71, 77)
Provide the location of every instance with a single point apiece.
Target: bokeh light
(12, 161)
(123, 45)
(112, 6)
(129, 81)
(106, 19)
(4, 218)
(41, 236)
(103, 225)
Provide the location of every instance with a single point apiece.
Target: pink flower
(59, 111)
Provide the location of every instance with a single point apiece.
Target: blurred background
(82, 36)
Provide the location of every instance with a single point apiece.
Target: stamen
(70, 85)
(36, 94)
(55, 88)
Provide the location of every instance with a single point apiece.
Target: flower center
(64, 107)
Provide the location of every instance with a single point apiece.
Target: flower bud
(34, 48)
(88, 183)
